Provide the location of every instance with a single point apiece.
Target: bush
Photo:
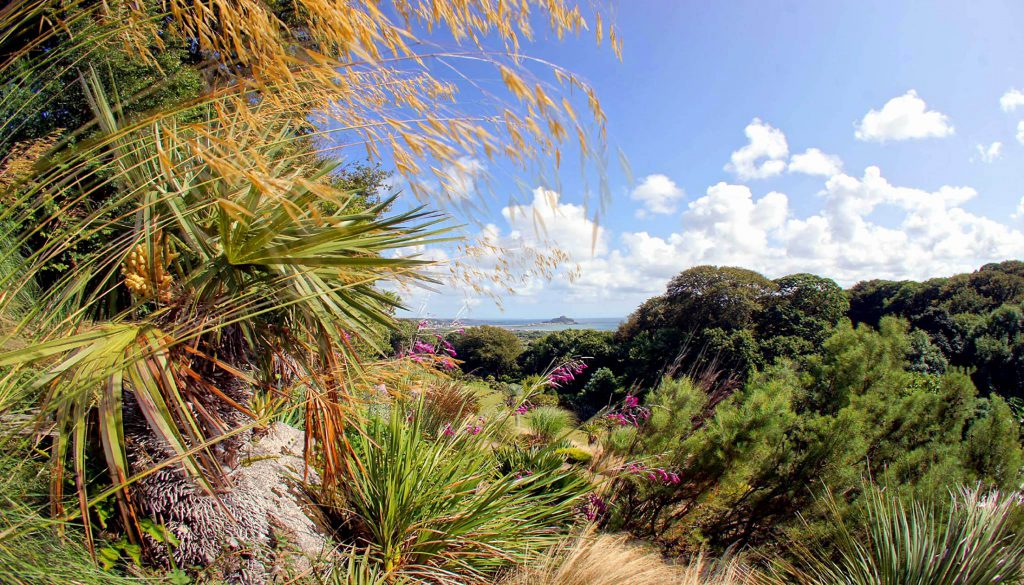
(543, 399)
(620, 440)
(433, 506)
(549, 422)
(447, 402)
(488, 351)
(575, 455)
(600, 391)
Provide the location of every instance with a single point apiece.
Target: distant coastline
(596, 323)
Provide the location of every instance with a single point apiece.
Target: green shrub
(434, 506)
(575, 455)
(544, 399)
(620, 439)
(549, 422)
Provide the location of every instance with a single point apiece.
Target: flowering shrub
(437, 350)
(566, 373)
(630, 413)
(652, 474)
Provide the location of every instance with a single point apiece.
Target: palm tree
(216, 272)
(210, 249)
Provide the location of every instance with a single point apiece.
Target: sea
(598, 323)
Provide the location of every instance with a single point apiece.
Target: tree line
(736, 322)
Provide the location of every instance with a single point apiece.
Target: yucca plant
(437, 507)
(973, 542)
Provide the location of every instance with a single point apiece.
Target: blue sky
(849, 139)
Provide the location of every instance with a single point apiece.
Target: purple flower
(566, 373)
(448, 348)
(447, 432)
(476, 429)
(631, 402)
(421, 347)
(593, 507)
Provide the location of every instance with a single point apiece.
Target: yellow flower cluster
(145, 281)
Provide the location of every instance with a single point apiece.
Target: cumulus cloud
(903, 118)
(864, 227)
(1011, 100)
(926, 234)
(764, 155)
(989, 153)
(658, 194)
(547, 222)
(815, 162)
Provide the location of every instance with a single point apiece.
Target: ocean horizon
(537, 324)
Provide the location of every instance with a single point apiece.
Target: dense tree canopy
(488, 351)
(728, 318)
(974, 319)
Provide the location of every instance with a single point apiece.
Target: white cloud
(658, 193)
(924, 234)
(903, 118)
(1019, 212)
(460, 180)
(815, 162)
(763, 156)
(547, 222)
(989, 153)
(1020, 131)
(1011, 100)
(864, 227)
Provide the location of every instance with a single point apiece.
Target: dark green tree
(488, 351)
(601, 390)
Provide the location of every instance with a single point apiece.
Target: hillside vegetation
(202, 379)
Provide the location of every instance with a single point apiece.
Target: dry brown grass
(608, 559)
